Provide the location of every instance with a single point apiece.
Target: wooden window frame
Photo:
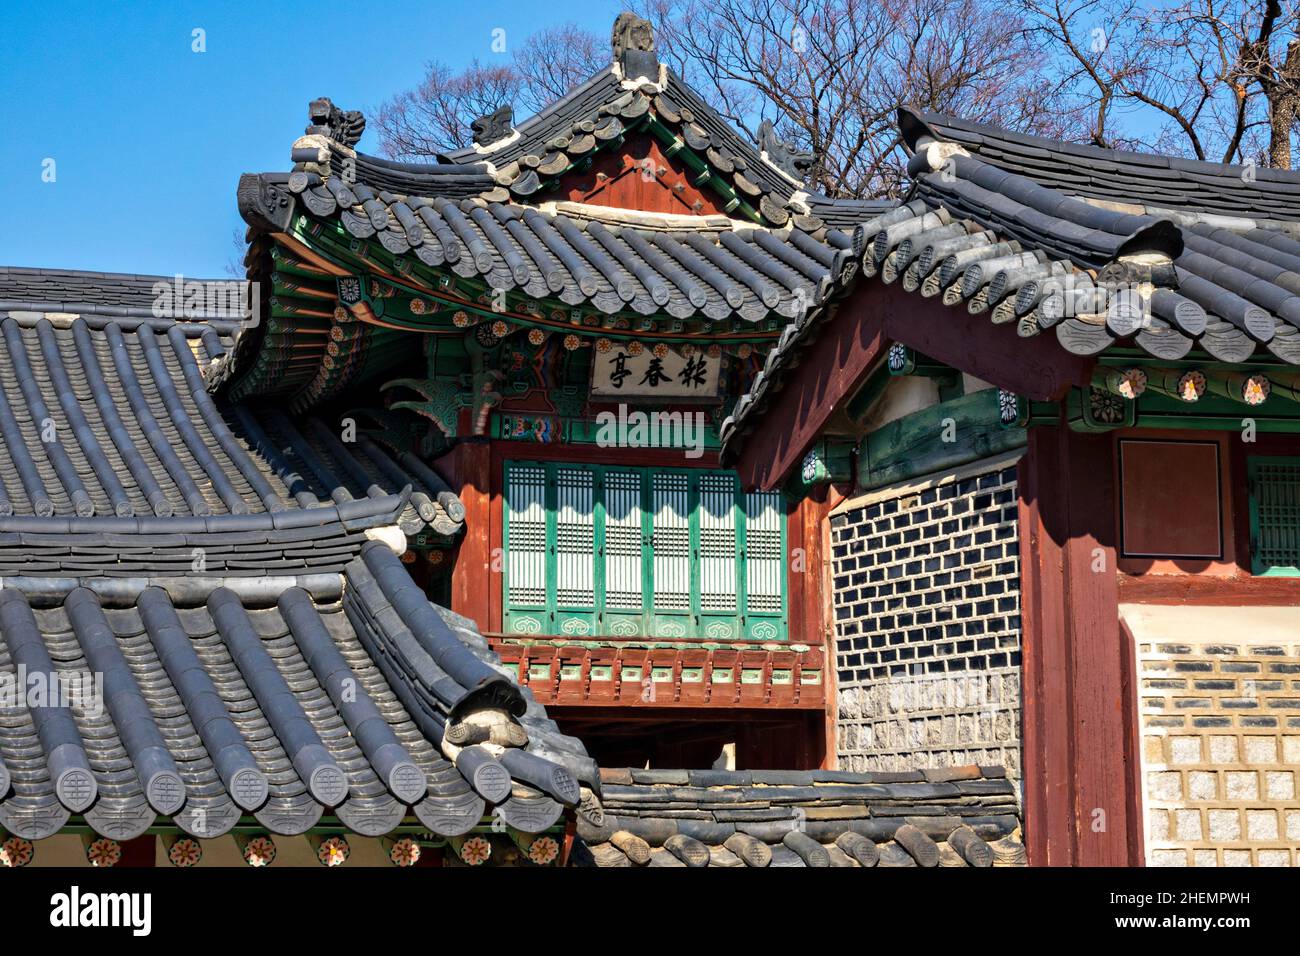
(599, 621)
(1253, 463)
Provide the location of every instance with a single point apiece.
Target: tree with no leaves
(436, 115)
(1212, 79)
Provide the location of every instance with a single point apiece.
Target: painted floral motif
(185, 853)
(1132, 383)
(460, 318)
(1255, 390)
(104, 852)
(1106, 408)
(571, 342)
(334, 851)
(544, 850)
(745, 350)
(1191, 386)
(536, 336)
(259, 851)
(718, 630)
(476, 850)
(16, 852)
(527, 625)
(635, 348)
(897, 357)
(404, 852)
(500, 329)
(660, 350)
(1008, 407)
(419, 307)
(603, 345)
(811, 465)
(714, 351)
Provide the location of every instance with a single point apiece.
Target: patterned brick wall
(1220, 724)
(927, 620)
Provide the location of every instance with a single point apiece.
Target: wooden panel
(639, 176)
(1274, 515)
(526, 545)
(624, 578)
(670, 517)
(1078, 747)
(1171, 501)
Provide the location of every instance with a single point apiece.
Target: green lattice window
(1274, 515)
(642, 552)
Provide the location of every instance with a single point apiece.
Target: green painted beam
(937, 438)
(706, 174)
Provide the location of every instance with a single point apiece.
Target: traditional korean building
(554, 321)
(1055, 422)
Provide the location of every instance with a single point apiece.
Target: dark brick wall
(927, 621)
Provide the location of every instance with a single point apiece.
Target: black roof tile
(285, 703)
(812, 818)
(110, 423)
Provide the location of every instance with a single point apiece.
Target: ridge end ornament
(342, 126)
(794, 163)
(264, 204)
(633, 44)
(494, 126)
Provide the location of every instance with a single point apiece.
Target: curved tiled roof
(109, 429)
(1085, 265)
(317, 466)
(605, 108)
(262, 660)
(1155, 181)
(743, 273)
(958, 816)
(222, 703)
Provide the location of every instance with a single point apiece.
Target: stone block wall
(927, 622)
(1220, 722)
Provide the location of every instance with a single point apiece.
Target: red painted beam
(851, 340)
(1079, 748)
(849, 343)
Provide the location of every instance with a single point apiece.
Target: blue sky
(148, 137)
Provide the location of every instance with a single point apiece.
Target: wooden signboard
(620, 375)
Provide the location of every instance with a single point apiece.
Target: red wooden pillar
(1080, 808)
(471, 476)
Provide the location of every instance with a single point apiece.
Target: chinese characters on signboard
(620, 374)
